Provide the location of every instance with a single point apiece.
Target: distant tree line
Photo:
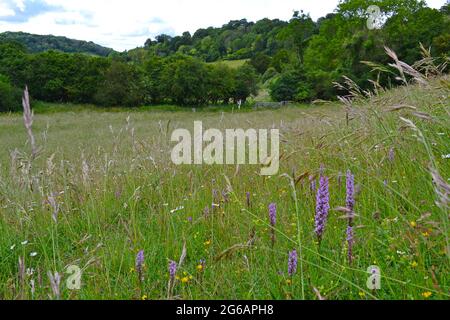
(300, 59)
(40, 43)
(296, 61)
(55, 76)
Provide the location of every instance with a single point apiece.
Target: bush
(290, 86)
(123, 85)
(10, 97)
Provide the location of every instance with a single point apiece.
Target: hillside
(40, 43)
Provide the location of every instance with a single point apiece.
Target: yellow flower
(208, 243)
(427, 294)
(144, 297)
(132, 270)
(414, 264)
(426, 234)
(289, 282)
(413, 224)
(362, 294)
(200, 268)
(185, 280)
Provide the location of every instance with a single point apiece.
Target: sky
(127, 24)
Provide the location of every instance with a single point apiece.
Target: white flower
(33, 254)
(177, 209)
(24, 243)
(12, 247)
(446, 156)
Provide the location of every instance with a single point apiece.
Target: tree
(220, 83)
(261, 62)
(122, 86)
(9, 96)
(184, 80)
(246, 83)
(290, 86)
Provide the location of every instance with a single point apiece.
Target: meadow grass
(103, 188)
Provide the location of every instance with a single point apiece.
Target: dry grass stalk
(28, 121)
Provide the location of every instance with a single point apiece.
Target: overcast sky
(126, 24)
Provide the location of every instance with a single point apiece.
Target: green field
(103, 188)
(234, 64)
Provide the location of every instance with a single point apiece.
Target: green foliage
(37, 43)
(122, 86)
(299, 60)
(184, 80)
(290, 86)
(246, 83)
(10, 97)
(261, 62)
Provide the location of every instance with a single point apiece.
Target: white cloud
(6, 11)
(20, 4)
(125, 24)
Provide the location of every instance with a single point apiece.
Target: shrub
(10, 97)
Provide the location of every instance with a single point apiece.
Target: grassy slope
(122, 204)
(232, 63)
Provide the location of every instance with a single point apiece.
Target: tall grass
(103, 190)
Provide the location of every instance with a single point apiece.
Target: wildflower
(322, 207)
(362, 294)
(413, 224)
(391, 155)
(200, 268)
(350, 242)
(172, 269)
(273, 221)
(185, 280)
(140, 265)
(312, 181)
(144, 297)
(289, 282)
(350, 201)
(190, 219)
(292, 263)
(33, 254)
(176, 209)
(24, 243)
(273, 214)
(414, 264)
(427, 294)
(207, 243)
